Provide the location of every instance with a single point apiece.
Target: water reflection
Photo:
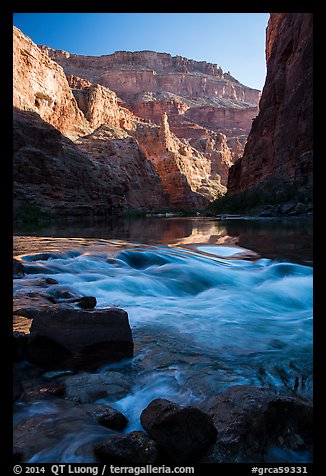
(289, 238)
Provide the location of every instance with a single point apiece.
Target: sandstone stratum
(142, 131)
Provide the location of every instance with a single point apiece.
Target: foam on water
(202, 319)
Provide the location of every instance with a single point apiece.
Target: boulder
(85, 387)
(133, 448)
(30, 303)
(250, 420)
(288, 207)
(18, 269)
(181, 434)
(54, 432)
(47, 391)
(84, 302)
(110, 418)
(75, 338)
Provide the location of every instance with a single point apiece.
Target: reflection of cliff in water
(271, 238)
(292, 238)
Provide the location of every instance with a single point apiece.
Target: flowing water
(211, 304)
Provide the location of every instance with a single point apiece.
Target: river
(211, 304)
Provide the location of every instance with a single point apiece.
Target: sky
(234, 41)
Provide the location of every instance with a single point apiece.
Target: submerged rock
(73, 338)
(86, 387)
(85, 302)
(181, 434)
(30, 303)
(133, 448)
(250, 420)
(63, 429)
(110, 418)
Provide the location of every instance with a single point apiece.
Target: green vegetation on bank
(271, 193)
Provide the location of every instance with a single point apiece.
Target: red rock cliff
(280, 144)
(151, 84)
(40, 85)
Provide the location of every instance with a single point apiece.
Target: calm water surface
(211, 304)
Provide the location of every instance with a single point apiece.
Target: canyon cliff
(200, 99)
(50, 170)
(280, 144)
(139, 150)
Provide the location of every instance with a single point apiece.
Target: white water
(203, 319)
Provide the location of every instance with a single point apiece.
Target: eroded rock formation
(188, 177)
(193, 94)
(40, 85)
(159, 144)
(280, 144)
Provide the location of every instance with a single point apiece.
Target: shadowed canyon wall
(280, 144)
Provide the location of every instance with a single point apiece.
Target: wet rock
(250, 420)
(34, 269)
(85, 302)
(42, 257)
(46, 391)
(287, 207)
(38, 282)
(62, 292)
(270, 211)
(50, 281)
(181, 434)
(19, 345)
(56, 389)
(294, 442)
(31, 303)
(80, 339)
(87, 387)
(266, 213)
(299, 209)
(110, 418)
(133, 448)
(18, 269)
(54, 432)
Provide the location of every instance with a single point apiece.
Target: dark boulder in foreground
(181, 434)
(251, 420)
(75, 338)
(133, 448)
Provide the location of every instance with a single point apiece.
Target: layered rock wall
(40, 85)
(188, 177)
(139, 156)
(151, 84)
